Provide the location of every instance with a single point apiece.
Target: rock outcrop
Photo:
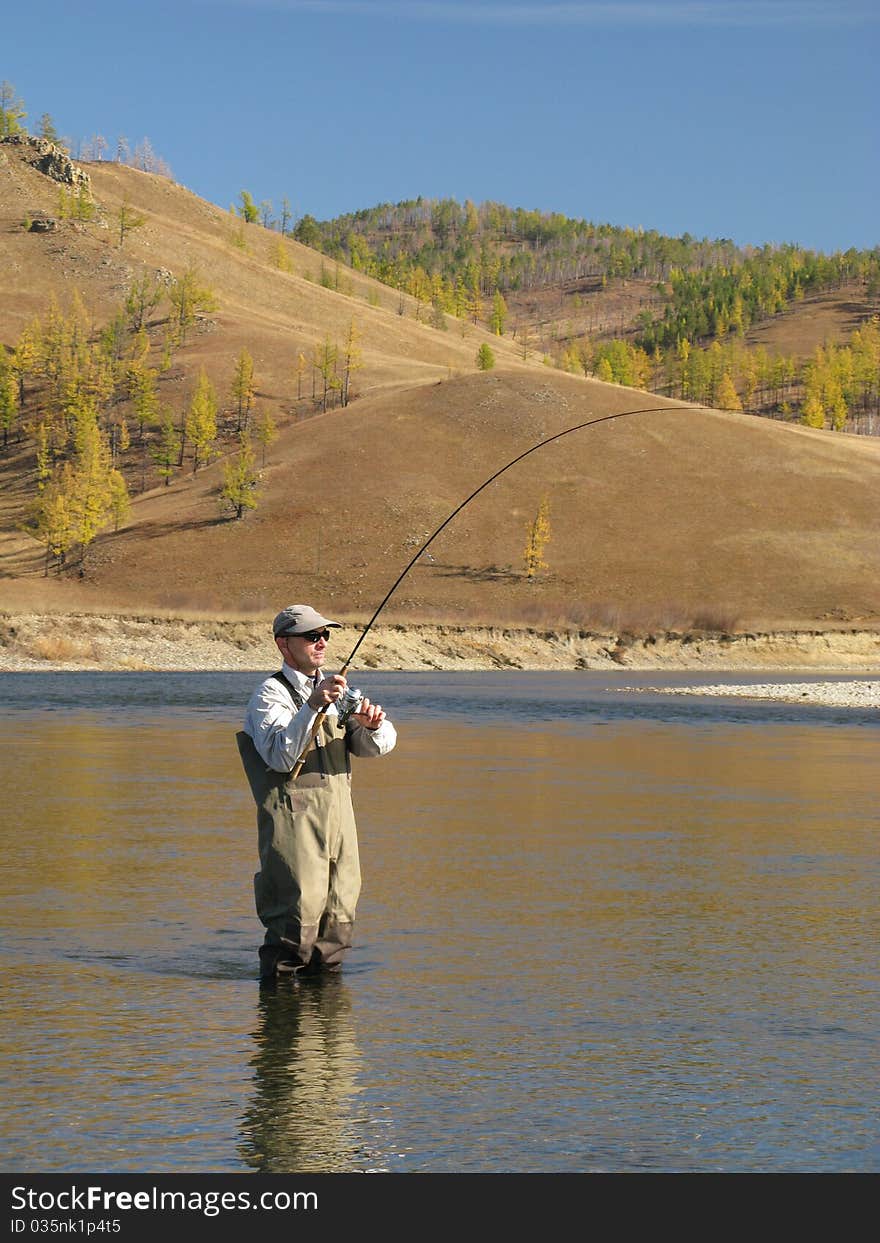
(41, 223)
(51, 160)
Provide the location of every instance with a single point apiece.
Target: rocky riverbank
(42, 641)
(838, 694)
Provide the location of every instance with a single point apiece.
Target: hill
(684, 518)
(279, 312)
(777, 330)
(564, 278)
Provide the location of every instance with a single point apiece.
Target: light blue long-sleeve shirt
(280, 730)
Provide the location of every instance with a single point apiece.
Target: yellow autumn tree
(8, 396)
(266, 431)
(201, 421)
(604, 371)
(537, 538)
(299, 372)
(243, 389)
(119, 504)
(50, 520)
(240, 480)
(166, 451)
(352, 360)
(92, 491)
(190, 298)
(727, 397)
(835, 403)
(499, 314)
(812, 411)
(143, 388)
(80, 497)
(281, 256)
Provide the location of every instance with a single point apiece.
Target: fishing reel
(348, 703)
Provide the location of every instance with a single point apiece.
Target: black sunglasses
(312, 636)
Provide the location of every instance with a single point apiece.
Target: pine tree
(240, 480)
(48, 130)
(499, 314)
(248, 209)
(835, 404)
(165, 453)
(8, 395)
(91, 494)
(812, 411)
(237, 226)
(281, 256)
(25, 356)
(537, 538)
(243, 389)
(300, 372)
(485, 358)
(201, 421)
(12, 111)
(50, 521)
(75, 503)
(570, 360)
(145, 396)
(129, 219)
(143, 297)
(76, 205)
(170, 340)
(727, 397)
(43, 455)
(190, 297)
(352, 361)
(266, 431)
(119, 504)
(326, 356)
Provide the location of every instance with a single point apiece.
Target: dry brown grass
(689, 519)
(57, 648)
(830, 316)
(591, 618)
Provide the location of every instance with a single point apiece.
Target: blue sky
(753, 121)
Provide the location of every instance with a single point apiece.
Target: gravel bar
(833, 694)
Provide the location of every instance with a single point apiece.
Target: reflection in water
(304, 1112)
(588, 941)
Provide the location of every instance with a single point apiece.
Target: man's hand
(327, 692)
(369, 715)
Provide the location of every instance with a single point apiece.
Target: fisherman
(307, 888)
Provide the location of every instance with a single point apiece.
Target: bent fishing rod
(606, 418)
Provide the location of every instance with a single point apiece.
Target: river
(599, 931)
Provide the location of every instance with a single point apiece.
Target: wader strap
(294, 690)
(299, 699)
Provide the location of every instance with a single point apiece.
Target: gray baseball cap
(299, 619)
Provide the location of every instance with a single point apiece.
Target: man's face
(304, 652)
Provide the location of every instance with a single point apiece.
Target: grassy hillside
(279, 312)
(563, 276)
(631, 305)
(687, 518)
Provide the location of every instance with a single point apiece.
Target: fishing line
(606, 418)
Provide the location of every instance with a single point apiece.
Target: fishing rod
(352, 702)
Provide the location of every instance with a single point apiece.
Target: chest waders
(307, 888)
(309, 878)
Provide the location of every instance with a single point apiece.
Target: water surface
(599, 931)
